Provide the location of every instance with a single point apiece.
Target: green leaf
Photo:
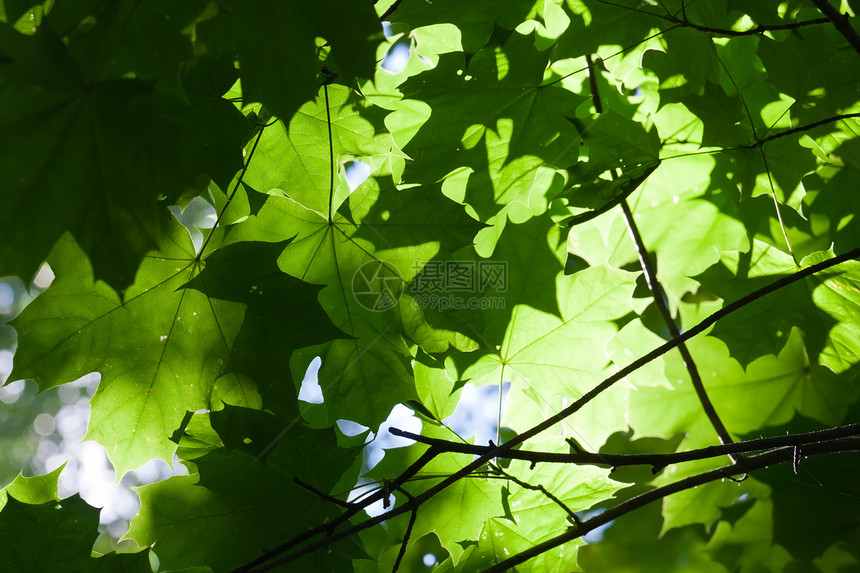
(285, 32)
(475, 20)
(450, 263)
(689, 60)
(237, 523)
(247, 273)
(821, 306)
(495, 136)
(296, 161)
(174, 345)
(33, 490)
(500, 539)
(363, 284)
(769, 392)
(444, 514)
(559, 355)
(436, 390)
(155, 38)
(596, 24)
(634, 542)
(826, 511)
(72, 527)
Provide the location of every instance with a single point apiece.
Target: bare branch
(657, 461)
(571, 516)
(657, 294)
(323, 494)
(840, 22)
(758, 462)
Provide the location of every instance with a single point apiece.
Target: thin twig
(592, 82)
(799, 129)
(673, 19)
(402, 552)
(754, 31)
(571, 515)
(657, 294)
(656, 289)
(323, 494)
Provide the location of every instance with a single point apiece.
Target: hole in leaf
(310, 391)
(350, 428)
(397, 57)
(355, 173)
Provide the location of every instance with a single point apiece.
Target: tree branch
(840, 22)
(800, 129)
(390, 10)
(322, 494)
(657, 294)
(657, 461)
(503, 449)
(758, 462)
(402, 552)
(328, 528)
(571, 516)
(753, 31)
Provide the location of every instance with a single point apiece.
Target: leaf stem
(233, 193)
(330, 155)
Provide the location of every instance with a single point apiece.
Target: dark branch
(323, 494)
(758, 462)
(801, 129)
(592, 81)
(657, 294)
(840, 22)
(571, 516)
(757, 30)
(408, 533)
(658, 461)
(328, 528)
(390, 10)
(683, 21)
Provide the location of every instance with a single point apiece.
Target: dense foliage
(556, 189)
